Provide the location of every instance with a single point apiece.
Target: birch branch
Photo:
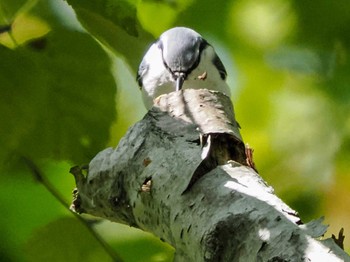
(181, 173)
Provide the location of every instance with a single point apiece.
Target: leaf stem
(39, 176)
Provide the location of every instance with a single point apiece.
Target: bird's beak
(179, 81)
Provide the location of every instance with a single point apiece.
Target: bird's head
(181, 49)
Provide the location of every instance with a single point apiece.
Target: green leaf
(57, 98)
(157, 16)
(65, 239)
(9, 9)
(115, 24)
(20, 98)
(304, 61)
(28, 205)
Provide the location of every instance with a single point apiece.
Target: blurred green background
(68, 90)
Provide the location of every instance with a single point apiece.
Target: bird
(180, 59)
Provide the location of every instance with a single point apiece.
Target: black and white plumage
(180, 58)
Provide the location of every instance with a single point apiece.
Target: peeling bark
(181, 173)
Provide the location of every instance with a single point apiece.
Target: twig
(37, 173)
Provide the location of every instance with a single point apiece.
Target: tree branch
(181, 173)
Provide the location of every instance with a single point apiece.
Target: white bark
(180, 173)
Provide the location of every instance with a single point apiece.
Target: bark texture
(181, 174)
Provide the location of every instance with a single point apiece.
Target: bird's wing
(220, 66)
(142, 70)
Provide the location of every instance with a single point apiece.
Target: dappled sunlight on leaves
(59, 105)
(262, 24)
(24, 28)
(304, 131)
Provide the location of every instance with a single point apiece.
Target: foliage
(289, 72)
